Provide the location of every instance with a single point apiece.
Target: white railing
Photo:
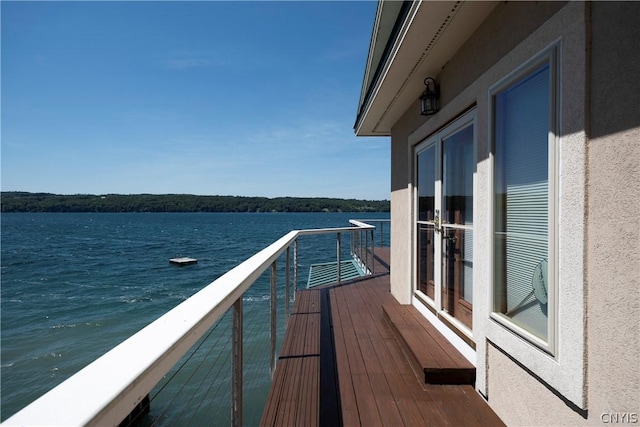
(108, 390)
(363, 242)
(380, 225)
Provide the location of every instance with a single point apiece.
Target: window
(523, 171)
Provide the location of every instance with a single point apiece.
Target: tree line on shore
(14, 201)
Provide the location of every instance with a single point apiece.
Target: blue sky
(227, 98)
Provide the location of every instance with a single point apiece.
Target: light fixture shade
(429, 98)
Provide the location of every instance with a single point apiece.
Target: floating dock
(183, 261)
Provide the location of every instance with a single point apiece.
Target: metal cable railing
(202, 344)
(209, 363)
(202, 394)
(364, 242)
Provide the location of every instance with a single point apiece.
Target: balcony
(337, 354)
(353, 356)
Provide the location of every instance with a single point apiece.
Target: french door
(444, 179)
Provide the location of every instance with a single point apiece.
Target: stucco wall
(400, 220)
(599, 204)
(599, 201)
(613, 248)
(523, 387)
(524, 401)
(507, 26)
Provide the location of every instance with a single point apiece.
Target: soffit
(386, 15)
(431, 35)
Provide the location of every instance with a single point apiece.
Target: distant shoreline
(18, 201)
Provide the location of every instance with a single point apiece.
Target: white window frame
(561, 368)
(549, 56)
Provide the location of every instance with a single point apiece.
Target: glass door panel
(457, 244)
(457, 180)
(457, 274)
(426, 174)
(426, 258)
(427, 184)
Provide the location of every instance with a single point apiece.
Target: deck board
(294, 394)
(374, 384)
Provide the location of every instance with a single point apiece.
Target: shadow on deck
(343, 363)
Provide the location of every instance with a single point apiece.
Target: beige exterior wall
(596, 368)
(613, 194)
(401, 218)
(524, 401)
(508, 25)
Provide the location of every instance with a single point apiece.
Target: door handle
(452, 239)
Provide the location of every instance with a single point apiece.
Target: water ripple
(65, 275)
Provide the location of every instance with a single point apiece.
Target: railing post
(373, 252)
(274, 307)
(366, 249)
(287, 281)
(295, 268)
(339, 244)
(362, 254)
(352, 243)
(236, 370)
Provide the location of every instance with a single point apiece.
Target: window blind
(468, 266)
(521, 190)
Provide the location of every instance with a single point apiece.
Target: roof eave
(431, 33)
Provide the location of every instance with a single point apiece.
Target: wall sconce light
(429, 98)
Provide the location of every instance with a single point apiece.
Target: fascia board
(433, 33)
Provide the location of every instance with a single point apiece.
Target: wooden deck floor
(341, 364)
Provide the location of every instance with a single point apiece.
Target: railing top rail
(365, 221)
(316, 231)
(108, 389)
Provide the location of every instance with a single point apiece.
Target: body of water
(76, 285)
